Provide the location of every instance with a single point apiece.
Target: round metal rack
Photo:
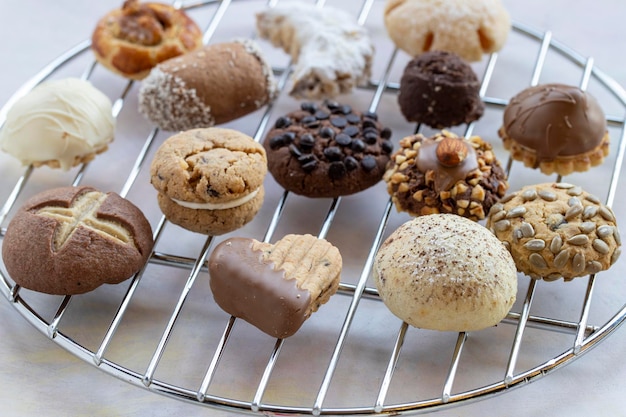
(161, 331)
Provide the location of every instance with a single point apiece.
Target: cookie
(134, 38)
(445, 272)
(60, 123)
(71, 240)
(445, 174)
(467, 28)
(441, 90)
(332, 53)
(556, 128)
(274, 287)
(211, 86)
(209, 180)
(327, 150)
(556, 230)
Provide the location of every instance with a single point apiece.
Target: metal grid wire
(585, 335)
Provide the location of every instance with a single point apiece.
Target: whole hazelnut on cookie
(445, 174)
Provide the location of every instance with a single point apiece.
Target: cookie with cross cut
(71, 240)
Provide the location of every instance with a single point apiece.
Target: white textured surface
(39, 378)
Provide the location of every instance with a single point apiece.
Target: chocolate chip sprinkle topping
(334, 135)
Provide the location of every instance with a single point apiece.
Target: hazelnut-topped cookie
(445, 174)
(327, 150)
(556, 230)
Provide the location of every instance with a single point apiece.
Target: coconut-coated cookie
(209, 180)
(445, 272)
(556, 230)
(327, 150)
(275, 287)
(71, 240)
(445, 174)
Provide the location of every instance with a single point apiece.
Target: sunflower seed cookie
(274, 287)
(71, 240)
(209, 180)
(556, 230)
(445, 174)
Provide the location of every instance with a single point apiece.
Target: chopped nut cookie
(556, 230)
(445, 174)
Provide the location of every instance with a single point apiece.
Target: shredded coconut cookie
(331, 52)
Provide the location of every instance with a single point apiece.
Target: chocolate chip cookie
(445, 174)
(327, 150)
(274, 287)
(209, 180)
(71, 240)
(556, 230)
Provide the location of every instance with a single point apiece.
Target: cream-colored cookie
(445, 272)
(60, 123)
(209, 180)
(467, 28)
(331, 52)
(275, 287)
(556, 230)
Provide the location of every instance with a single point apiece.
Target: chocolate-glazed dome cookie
(555, 127)
(327, 150)
(439, 89)
(445, 174)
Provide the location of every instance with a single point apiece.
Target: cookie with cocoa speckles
(327, 150)
(209, 180)
(556, 230)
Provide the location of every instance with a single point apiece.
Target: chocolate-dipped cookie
(555, 127)
(445, 174)
(556, 230)
(439, 89)
(274, 287)
(327, 150)
(71, 240)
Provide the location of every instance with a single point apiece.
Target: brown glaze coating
(245, 286)
(71, 240)
(555, 120)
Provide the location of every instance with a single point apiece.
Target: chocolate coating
(246, 287)
(555, 120)
(440, 90)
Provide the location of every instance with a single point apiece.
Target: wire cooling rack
(161, 330)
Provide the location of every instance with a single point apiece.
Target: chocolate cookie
(556, 230)
(274, 287)
(327, 150)
(555, 127)
(445, 174)
(71, 240)
(439, 89)
(209, 180)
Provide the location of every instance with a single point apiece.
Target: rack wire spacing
(386, 373)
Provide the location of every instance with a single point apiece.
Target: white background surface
(39, 378)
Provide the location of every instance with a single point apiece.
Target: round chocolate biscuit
(556, 230)
(71, 240)
(327, 150)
